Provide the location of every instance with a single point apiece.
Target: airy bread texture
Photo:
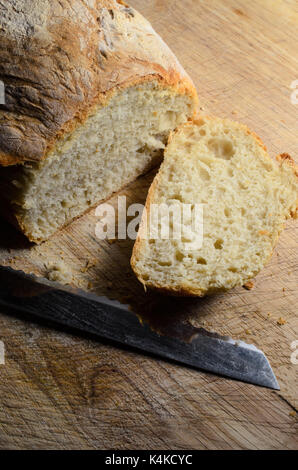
(246, 198)
(117, 143)
(91, 94)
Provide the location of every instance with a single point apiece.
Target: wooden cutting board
(59, 391)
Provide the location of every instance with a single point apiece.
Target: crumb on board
(247, 332)
(281, 321)
(111, 240)
(248, 285)
(89, 264)
(292, 413)
(58, 271)
(269, 315)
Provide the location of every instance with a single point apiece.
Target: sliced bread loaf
(246, 198)
(91, 95)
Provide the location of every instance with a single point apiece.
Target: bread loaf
(91, 94)
(246, 198)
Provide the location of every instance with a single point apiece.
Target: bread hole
(218, 244)
(230, 172)
(201, 261)
(165, 263)
(227, 212)
(202, 132)
(243, 184)
(233, 270)
(151, 241)
(200, 122)
(222, 148)
(103, 53)
(142, 149)
(111, 12)
(171, 115)
(186, 240)
(177, 197)
(145, 277)
(243, 211)
(179, 256)
(267, 165)
(204, 174)
(206, 160)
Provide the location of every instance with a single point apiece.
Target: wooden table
(60, 391)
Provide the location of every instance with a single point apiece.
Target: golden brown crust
(60, 58)
(286, 159)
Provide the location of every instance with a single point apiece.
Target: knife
(113, 321)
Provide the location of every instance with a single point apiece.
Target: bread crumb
(292, 413)
(89, 264)
(263, 232)
(248, 285)
(234, 111)
(58, 271)
(111, 240)
(269, 315)
(281, 321)
(247, 332)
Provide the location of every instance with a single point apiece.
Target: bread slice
(246, 198)
(91, 95)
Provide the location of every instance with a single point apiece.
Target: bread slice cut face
(244, 196)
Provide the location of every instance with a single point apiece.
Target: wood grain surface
(60, 391)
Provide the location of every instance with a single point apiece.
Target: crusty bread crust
(186, 290)
(61, 58)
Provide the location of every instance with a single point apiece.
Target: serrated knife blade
(113, 321)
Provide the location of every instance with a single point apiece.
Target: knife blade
(113, 321)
